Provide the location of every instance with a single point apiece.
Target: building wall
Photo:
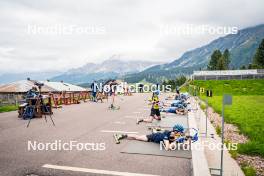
(10, 98)
(227, 77)
(228, 74)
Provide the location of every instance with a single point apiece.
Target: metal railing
(227, 77)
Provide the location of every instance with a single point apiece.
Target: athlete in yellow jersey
(155, 112)
(155, 102)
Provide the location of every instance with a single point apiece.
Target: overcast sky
(61, 34)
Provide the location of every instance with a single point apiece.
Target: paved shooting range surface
(149, 148)
(85, 123)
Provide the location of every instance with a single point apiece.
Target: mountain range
(108, 69)
(242, 47)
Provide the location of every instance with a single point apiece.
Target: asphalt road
(83, 123)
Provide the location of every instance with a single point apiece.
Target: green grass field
(246, 111)
(234, 87)
(8, 108)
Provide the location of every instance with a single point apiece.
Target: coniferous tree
(258, 59)
(221, 63)
(250, 66)
(214, 60)
(226, 59)
(243, 67)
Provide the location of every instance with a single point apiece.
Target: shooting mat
(150, 148)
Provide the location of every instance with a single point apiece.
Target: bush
(8, 108)
(218, 130)
(202, 105)
(248, 170)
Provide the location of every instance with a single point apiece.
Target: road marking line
(125, 132)
(120, 122)
(131, 117)
(143, 109)
(136, 112)
(95, 171)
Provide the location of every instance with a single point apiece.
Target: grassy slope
(246, 111)
(234, 87)
(8, 108)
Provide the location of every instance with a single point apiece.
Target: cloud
(129, 28)
(6, 52)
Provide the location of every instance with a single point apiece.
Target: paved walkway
(231, 168)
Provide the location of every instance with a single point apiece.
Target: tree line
(180, 80)
(221, 61)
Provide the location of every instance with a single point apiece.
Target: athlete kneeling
(155, 109)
